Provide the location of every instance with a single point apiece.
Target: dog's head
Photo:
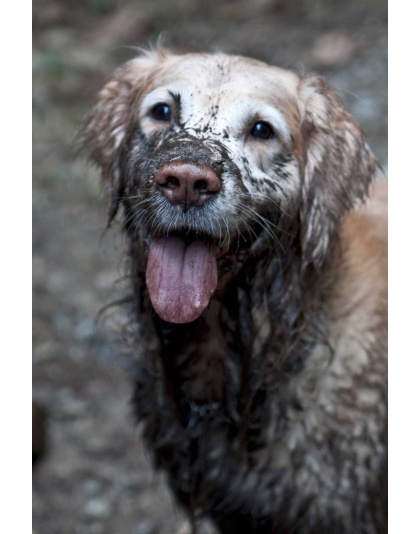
(207, 152)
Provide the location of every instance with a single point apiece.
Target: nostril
(201, 186)
(172, 182)
(208, 182)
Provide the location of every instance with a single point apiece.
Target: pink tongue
(181, 277)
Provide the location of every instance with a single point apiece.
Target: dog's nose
(189, 184)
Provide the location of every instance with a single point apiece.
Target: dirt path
(95, 478)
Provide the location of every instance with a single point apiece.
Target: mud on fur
(256, 219)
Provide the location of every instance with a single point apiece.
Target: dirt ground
(95, 478)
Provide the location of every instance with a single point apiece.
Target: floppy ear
(337, 167)
(105, 127)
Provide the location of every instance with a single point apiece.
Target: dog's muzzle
(181, 271)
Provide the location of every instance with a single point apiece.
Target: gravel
(95, 477)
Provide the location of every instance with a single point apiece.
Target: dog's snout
(189, 184)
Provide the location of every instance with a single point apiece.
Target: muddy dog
(256, 221)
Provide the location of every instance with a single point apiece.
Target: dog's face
(215, 116)
(210, 118)
(209, 152)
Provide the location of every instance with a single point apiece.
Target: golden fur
(268, 408)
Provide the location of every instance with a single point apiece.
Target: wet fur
(269, 411)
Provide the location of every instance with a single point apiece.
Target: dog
(255, 214)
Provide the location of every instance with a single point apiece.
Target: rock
(146, 527)
(98, 508)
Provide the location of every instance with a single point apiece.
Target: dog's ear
(105, 127)
(336, 163)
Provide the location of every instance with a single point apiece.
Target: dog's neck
(212, 363)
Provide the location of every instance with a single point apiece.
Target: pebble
(98, 508)
(92, 487)
(146, 527)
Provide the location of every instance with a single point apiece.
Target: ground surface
(95, 477)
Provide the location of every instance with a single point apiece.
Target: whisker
(152, 213)
(262, 221)
(267, 197)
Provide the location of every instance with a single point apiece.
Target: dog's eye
(161, 112)
(262, 130)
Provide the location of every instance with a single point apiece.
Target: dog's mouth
(181, 275)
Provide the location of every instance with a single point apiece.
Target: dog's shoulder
(364, 240)
(358, 302)
(369, 224)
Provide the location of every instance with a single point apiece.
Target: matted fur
(268, 412)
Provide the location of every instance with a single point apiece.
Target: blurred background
(94, 476)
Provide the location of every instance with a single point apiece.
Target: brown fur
(268, 411)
